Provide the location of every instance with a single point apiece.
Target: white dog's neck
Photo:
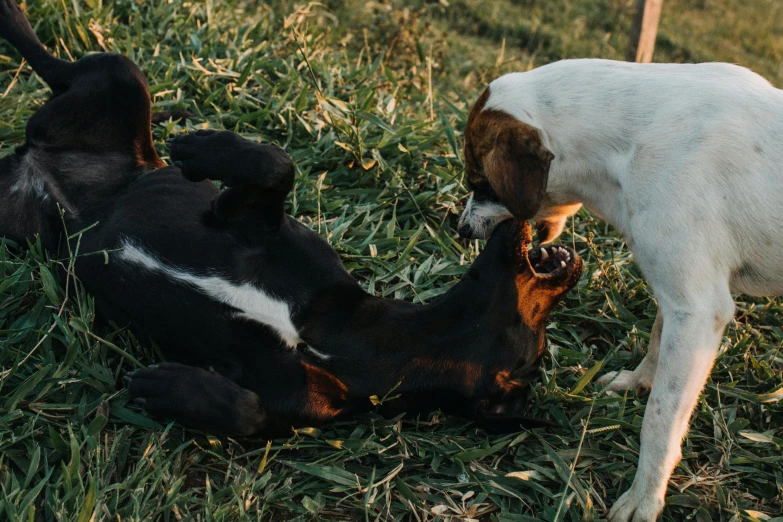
(594, 184)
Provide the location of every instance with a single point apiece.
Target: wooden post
(644, 30)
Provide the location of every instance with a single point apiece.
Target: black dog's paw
(206, 154)
(194, 153)
(196, 398)
(227, 157)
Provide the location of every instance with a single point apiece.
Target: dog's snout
(465, 231)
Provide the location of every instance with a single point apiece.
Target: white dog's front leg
(689, 344)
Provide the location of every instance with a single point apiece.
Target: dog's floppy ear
(517, 167)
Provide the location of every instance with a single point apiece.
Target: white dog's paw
(625, 380)
(635, 506)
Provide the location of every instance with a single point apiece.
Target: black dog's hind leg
(258, 176)
(101, 103)
(86, 143)
(197, 398)
(15, 28)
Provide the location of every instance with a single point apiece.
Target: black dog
(268, 329)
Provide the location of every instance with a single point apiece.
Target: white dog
(686, 161)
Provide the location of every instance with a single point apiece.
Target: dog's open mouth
(553, 263)
(551, 260)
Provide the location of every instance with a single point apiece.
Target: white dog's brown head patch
(507, 168)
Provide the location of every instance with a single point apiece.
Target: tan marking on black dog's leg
(326, 394)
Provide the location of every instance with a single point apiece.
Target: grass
(370, 99)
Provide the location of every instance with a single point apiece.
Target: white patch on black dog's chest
(252, 302)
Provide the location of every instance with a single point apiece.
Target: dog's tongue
(527, 234)
(526, 239)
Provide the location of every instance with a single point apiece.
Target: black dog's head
(519, 288)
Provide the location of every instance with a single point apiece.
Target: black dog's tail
(15, 28)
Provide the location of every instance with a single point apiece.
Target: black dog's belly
(169, 218)
(22, 213)
(162, 212)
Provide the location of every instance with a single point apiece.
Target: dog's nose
(465, 231)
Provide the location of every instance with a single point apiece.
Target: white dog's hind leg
(689, 343)
(642, 377)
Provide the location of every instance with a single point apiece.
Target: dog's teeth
(562, 263)
(544, 255)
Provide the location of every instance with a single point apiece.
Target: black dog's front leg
(258, 177)
(197, 398)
